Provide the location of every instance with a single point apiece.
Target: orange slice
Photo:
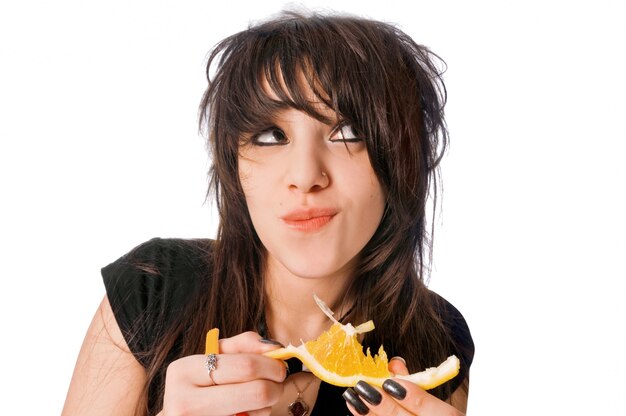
(337, 357)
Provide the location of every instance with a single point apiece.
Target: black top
(168, 272)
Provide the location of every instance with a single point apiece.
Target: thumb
(397, 365)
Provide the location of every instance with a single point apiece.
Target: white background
(99, 152)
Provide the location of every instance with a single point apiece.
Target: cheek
(369, 203)
(257, 193)
(377, 199)
(247, 178)
(376, 205)
(376, 193)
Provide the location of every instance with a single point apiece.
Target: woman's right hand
(244, 380)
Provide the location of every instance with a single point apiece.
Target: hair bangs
(299, 64)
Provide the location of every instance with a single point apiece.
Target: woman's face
(311, 192)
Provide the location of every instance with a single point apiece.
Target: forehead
(301, 91)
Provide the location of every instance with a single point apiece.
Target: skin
(107, 379)
(276, 179)
(309, 166)
(306, 164)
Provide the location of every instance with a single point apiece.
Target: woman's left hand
(397, 397)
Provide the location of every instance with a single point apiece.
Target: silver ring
(211, 364)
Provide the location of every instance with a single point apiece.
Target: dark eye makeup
(274, 136)
(344, 132)
(270, 137)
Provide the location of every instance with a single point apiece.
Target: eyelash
(339, 129)
(255, 138)
(285, 140)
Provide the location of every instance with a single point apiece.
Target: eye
(345, 133)
(270, 137)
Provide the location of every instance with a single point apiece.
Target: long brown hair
(389, 88)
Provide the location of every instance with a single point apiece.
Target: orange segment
(349, 359)
(337, 357)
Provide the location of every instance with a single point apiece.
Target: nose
(306, 169)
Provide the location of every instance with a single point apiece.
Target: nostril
(311, 182)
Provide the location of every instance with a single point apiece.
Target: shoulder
(161, 254)
(149, 287)
(457, 328)
(157, 261)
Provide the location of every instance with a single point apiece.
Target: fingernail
(271, 342)
(399, 359)
(295, 365)
(287, 372)
(394, 389)
(352, 398)
(368, 392)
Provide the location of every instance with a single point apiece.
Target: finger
(397, 365)
(250, 397)
(237, 368)
(351, 409)
(249, 342)
(416, 400)
(247, 397)
(376, 401)
(229, 369)
(260, 412)
(354, 402)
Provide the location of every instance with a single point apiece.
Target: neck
(291, 313)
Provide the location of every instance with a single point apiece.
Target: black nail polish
(287, 372)
(394, 389)
(351, 397)
(368, 392)
(294, 365)
(271, 342)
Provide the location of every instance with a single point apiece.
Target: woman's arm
(107, 378)
(460, 395)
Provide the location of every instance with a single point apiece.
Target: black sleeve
(149, 287)
(460, 335)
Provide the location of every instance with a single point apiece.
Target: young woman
(326, 133)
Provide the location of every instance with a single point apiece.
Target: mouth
(309, 220)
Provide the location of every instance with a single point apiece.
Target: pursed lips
(310, 219)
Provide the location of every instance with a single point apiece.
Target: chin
(312, 274)
(313, 266)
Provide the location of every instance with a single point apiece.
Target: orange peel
(337, 357)
(212, 345)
